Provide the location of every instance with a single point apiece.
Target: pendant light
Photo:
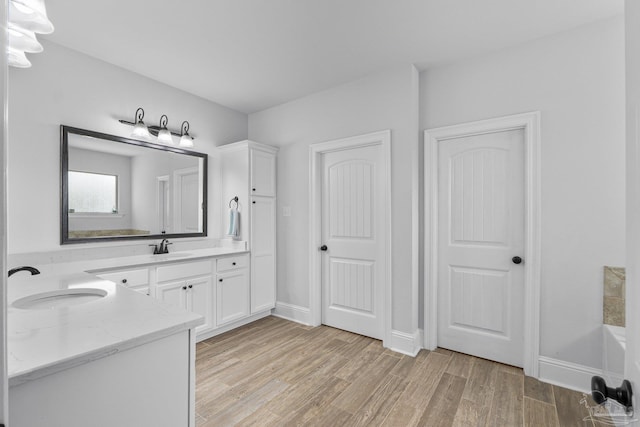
(185, 138)
(25, 18)
(140, 130)
(30, 15)
(17, 58)
(164, 135)
(23, 40)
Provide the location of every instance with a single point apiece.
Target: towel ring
(235, 199)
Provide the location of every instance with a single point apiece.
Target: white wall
(387, 100)
(576, 80)
(67, 87)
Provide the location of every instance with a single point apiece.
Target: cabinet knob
(253, 189)
(190, 286)
(184, 288)
(233, 263)
(124, 280)
(254, 202)
(219, 280)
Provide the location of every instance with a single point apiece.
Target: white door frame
(382, 138)
(530, 124)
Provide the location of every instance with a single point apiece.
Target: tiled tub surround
(614, 296)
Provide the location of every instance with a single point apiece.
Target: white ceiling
(253, 54)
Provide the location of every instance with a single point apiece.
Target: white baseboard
(233, 325)
(293, 312)
(402, 342)
(566, 374)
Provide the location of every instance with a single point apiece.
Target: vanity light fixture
(140, 130)
(164, 135)
(185, 138)
(26, 18)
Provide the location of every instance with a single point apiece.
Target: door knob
(323, 248)
(516, 260)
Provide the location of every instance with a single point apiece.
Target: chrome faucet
(162, 248)
(31, 270)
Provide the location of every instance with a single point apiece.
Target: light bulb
(24, 40)
(30, 15)
(23, 8)
(140, 130)
(164, 136)
(17, 58)
(186, 141)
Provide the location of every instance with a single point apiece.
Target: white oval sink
(59, 298)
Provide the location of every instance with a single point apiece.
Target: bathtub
(614, 343)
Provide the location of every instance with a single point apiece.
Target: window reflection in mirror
(92, 193)
(119, 188)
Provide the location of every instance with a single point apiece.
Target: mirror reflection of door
(187, 187)
(164, 204)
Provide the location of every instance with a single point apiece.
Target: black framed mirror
(115, 188)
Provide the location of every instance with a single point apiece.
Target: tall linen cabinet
(248, 172)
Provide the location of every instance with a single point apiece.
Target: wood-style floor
(275, 373)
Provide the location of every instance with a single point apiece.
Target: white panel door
(353, 234)
(263, 173)
(481, 230)
(263, 254)
(187, 201)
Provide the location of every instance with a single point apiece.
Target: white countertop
(44, 341)
(99, 265)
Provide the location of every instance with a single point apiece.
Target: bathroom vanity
(214, 283)
(105, 359)
(132, 348)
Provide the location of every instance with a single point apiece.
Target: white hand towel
(234, 225)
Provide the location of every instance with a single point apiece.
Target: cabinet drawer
(231, 263)
(183, 271)
(130, 278)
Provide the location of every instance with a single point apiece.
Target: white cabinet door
(232, 296)
(173, 293)
(194, 295)
(200, 300)
(263, 254)
(263, 173)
